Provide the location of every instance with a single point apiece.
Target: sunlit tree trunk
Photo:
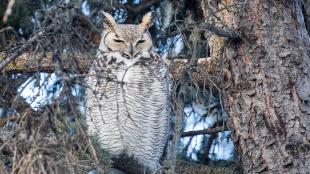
(267, 93)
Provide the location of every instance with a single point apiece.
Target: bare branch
(230, 33)
(205, 131)
(8, 11)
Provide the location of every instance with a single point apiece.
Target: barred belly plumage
(129, 114)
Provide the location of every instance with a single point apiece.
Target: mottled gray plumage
(128, 98)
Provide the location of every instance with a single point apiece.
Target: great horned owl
(128, 94)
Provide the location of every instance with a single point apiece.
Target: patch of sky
(40, 90)
(20, 30)
(171, 47)
(120, 15)
(33, 20)
(136, 1)
(123, 1)
(85, 8)
(222, 147)
(43, 89)
(79, 92)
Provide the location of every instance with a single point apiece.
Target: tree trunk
(268, 97)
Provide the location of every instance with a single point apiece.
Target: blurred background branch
(8, 11)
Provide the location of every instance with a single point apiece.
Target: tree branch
(27, 63)
(8, 11)
(205, 131)
(10, 59)
(230, 33)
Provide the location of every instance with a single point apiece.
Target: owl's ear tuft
(108, 20)
(147, 21)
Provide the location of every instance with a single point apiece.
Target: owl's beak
(131, 49)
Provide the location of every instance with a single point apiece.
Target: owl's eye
(118, 40)
(141, 41)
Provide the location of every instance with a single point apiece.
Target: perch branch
(27, 63)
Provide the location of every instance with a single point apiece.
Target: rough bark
(268, 89)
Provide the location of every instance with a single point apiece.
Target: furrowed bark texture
(268, 97)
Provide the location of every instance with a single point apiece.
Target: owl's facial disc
(129, 40)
